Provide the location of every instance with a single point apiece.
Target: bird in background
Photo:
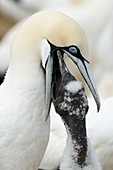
(25, 94)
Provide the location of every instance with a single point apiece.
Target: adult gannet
(71, 104)
(26, 91)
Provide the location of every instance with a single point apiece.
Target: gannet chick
(25, 94)
(71, 104)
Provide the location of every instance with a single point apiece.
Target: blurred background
(95, 17)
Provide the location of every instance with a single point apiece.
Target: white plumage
(25, 93)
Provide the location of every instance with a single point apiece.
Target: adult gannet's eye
(73, 50)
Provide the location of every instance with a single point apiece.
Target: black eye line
(54, 48)
(78, 54)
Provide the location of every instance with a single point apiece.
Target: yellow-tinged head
(55, 26)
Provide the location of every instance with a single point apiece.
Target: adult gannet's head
(46, 32)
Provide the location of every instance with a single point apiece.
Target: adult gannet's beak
(49, 77)
(49, 72)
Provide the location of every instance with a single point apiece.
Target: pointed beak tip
(98, 107)
(98, 103)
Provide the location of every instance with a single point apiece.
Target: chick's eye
(73, 50)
